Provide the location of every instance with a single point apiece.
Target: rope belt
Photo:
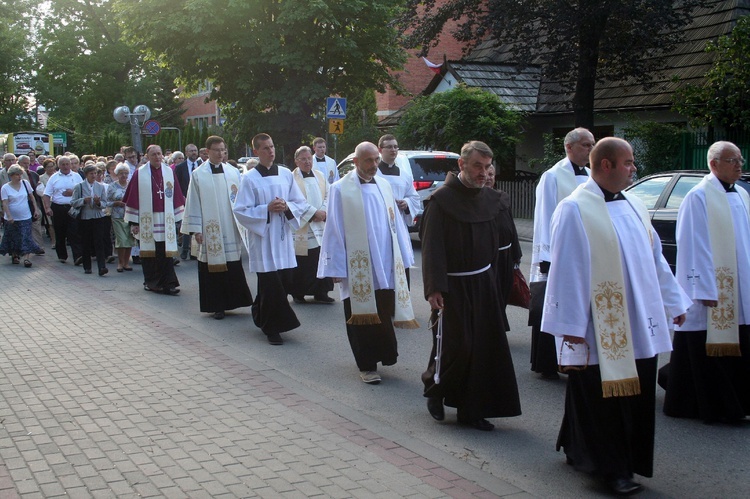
(505, 247)
(471, 272)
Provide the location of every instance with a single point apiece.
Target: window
(683, 185)
(650, 190)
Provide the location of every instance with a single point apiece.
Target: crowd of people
(603, 299)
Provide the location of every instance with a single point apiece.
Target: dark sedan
(663, 193)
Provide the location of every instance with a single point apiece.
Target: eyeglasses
(734, 161)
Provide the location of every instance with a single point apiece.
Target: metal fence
(522, 196)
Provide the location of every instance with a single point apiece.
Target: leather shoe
(435, 406)
(103, 271)
(323, 299)
(171, 291)
(78, 261)
(275, 339)
(87, 271)
(624, 486)
(299, 299)
(479, 424)
(219, 315)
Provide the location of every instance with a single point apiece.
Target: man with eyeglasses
(131, 159)
(269, 205)
(153, 205)
(555, 184)
(709, 372)
(611, 300)
(324, 164)
(209, 219)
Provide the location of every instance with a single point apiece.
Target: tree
(577, 43)
(447, 120)
(723, 100)
(14, 66)
(86, 68)
(272, 63)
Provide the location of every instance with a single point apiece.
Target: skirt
(123, 237)
(18, 239)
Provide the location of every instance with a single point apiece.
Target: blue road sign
(152, 127)
(336, 108)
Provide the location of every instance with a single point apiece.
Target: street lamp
(136, 119)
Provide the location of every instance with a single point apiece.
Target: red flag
(435, 68)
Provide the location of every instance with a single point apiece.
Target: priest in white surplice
(366, 248)
(307, 238)
(709, 372)
(269, 205)
(556, 184)
(611, 300)
(209, 219)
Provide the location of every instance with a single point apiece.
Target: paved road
(109, 391)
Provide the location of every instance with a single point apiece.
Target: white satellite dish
(142, 110)
(122, 114)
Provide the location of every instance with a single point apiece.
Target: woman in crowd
(109, 175)
(19, 208)
(91, 197)
(123, 238)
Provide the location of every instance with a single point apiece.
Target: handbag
(75, 211)
(32, 206)
(520, 296)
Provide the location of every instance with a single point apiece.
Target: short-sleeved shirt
(18, 204)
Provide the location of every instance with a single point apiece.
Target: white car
(427, 168)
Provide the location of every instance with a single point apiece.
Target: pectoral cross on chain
(160, 192)
(692, 277)
(651, 325)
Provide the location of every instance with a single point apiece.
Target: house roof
(490, 67)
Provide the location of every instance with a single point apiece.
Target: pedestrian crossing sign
(336, 108)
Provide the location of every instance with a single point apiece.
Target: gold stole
(359, 267)
(213, 237)
(146, 212)
(566, 181)
(723, 334)
(609, 306)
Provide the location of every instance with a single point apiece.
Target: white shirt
(60, 182)
(270, 240)
(18, 204)
(327, 167)
(649, 284)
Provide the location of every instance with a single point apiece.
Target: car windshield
(650, 189)
(432, 168)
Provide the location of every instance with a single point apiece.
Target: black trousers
(66, 232)
(94, 235)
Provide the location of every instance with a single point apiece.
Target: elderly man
(468, 239)
(611, 299)
(555, 185)
(324, 164)
(307, 238)
(709, 373)
(208, 216)
(183, 172)
(269, 205)
(153, 205)
(366, 248)
(58, 194)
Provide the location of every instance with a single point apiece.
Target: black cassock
(462, 231)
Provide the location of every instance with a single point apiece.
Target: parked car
(662, 193)
(427, 168)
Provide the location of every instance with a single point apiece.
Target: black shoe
(78, 261)
(323, 298)
(137, 260)
(299, 299)
(39, 252)
(110, 259)
(155, 290)
(624, 486)
(479, 424)
(435, 406)
(171, 291)
(175, 261)
(103, 271)
(219, 315)
(87, 271)
(184, 256)
(275, 339)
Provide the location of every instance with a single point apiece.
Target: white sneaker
(370, 377)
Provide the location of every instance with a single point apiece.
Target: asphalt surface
(111, 391)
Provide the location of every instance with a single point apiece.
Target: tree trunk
(589, 37)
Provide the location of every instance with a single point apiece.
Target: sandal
(119, 269)
(16, 260)
(127, 269)
(27, 263)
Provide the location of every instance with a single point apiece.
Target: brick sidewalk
(115, 402)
